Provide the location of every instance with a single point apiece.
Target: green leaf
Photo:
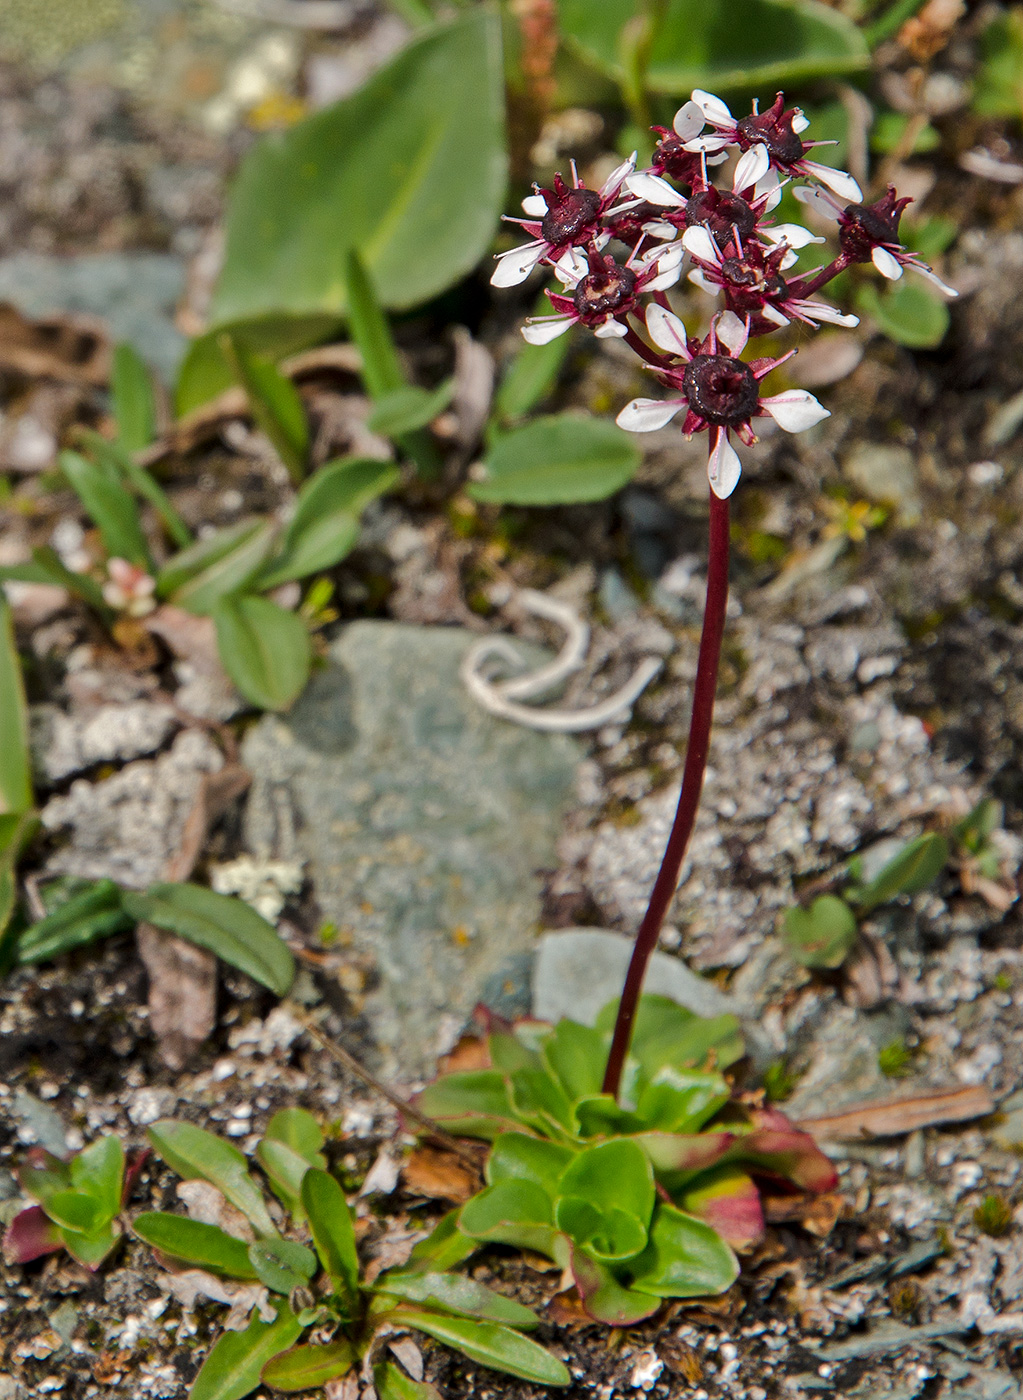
(90, 1249)
(15, 765)
(274, 402)
(823, 935)
(16, 833)
(325, 525)
(205, 372)
(285, 1169)
(576, 1054)
(143, 481)
(975, 829)
(98, 1170)
(235, 1365)
(476, 1103)
(94, 913)
(557, 460)
(391, 1383)
(43, 1174)
(282, 1265)
(491, 1345)
(726, 1198)
(908, 312)
(609, 1234)
(264, 649)
(298, 1129)
(403, 410)
(754, 43)
(134, 404)
(110, 506)
(444, 1247)
(308, 1367)
(511, 1212)
(684, 1259)
(225, 925)
(540, 1101)
(532, 373)
(916, 866)
(193, 1152)
(330, 1222)
(46, 567)
(680, 1102)
(382, 373)
(998, 87)
(79, 1211)
(396, 171)
(454, 1293)
(198, 577)
(520, 1157)
(613, 1175)
(191, 1241)
(605, 1297)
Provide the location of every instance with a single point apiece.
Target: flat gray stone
(423, 822)
(885, 472)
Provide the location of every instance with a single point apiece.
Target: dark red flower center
(749, 286)
(721, 212)
(570, 216)
(772, 129)
(672, 158)
(863, 227)
(605, 292)
(721, 390)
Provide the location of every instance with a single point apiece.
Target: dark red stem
(689, 798)
(812, 282)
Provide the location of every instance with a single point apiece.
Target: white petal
(771, 313)
(535, 206)
(717, 157)
(647, 415)
(844, 185)
(751, 167)
(821, 311)
(698, 241)
(709, 144)
(611, 329)
(933, 278)
(701, 280)
(795, 410)
(657, 228)
(886, 264)
(723, 466)
(789, 260)
(618, 177)
(713, 108)
(571, 267)
(800, 121)
(731, 332)
(666, 278)
(654, 190)
(515, 266)
(667, 331)
(795, 235)
(662, 257)
(543, 332)
(689, 121)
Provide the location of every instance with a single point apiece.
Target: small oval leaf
(556, 460)
(193, 1242)
(265, 650)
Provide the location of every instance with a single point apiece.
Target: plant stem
(689, 798)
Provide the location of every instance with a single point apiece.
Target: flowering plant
(670, 214)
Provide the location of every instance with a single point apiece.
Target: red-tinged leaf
(728, 1200)
(30, 1235)
(778, 1148)
(604, 1298)
(132, 1172)
(684, 1152)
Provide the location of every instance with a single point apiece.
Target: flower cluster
(674, 219)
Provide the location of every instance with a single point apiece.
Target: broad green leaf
(405, 409)
(308, 1367)
(491, 1345)
(206, 1246)
(684, 1259)
(974, 830)
(76, 1210)
(823, 935)
(205, 372)
(235, 1365)
(46, 567)
(532, 373)
(444, 1247)
(282, 1265)
(916, 866)
(209, 570)
(576, 1054)
(605, 1297)
(612, 1175)
(396, 171)
(93, 914)
(998, 85)
(520, 1157)
(264, 649)
(193, 1152)
(275, 404)
(909, 312)
(475, 1103)
(98, 1170)
(298, 1129)
(557, 460)
(92, 1248)
(668, 1034)
(609, 1234)
(133, 401)
(677, 1102)
(511, 1212)
(143, 481)
(285, 1169)
(330, 1222)
(540, 1101)
(754, 43)
(225, 925)
(43, 1174)
(111, 507)
(391, 1383)
(325, 525)
(726, 1199)
(454, 1293)
(15, 764)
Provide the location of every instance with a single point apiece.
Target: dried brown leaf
(816, 1213)
(896, 1117)
(440, 1175)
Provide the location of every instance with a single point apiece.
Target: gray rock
(838, 1057)
(422, 821)
(63, 744)
(39, 1123)
(885, 472)
(135, 293)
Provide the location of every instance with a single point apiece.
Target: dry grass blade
(896, 1117)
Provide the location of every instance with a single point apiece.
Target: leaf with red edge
(684, 1152)
(604, 1298)
(30, 1235)
(778, 1148)
(132, 1172)
(728, 1200)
